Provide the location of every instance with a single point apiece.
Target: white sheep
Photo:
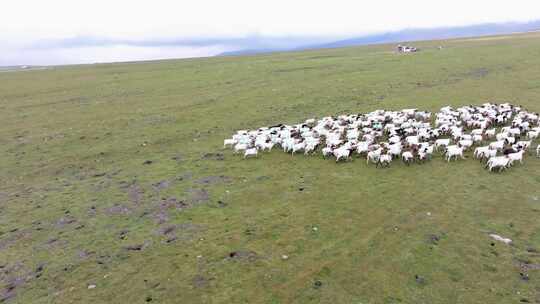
(442, 143)
(497, 145)
(500, 162)
(454, 151)
(298, 147)
(384, 160)
(239, 147)
(374, 155)
(516, 156)
(342, 153)
(488, 154)
(229, 142)
(490, 133)
(532, 135)
(250, 152)
(479, 152)
(466, 143)
(412, 126)
(267, 146)
(407, 157)
(326, 151)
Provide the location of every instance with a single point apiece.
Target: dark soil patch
(3, 197)
(84, 254)
(478, 73)
(433, 239)
(525, 266)
(209, 180)
(172, 203)
(164, 184)
(198, 195)
(118, 210)
(161, 215)
(64, 221)
(322, 57)
(171, 239)
(181, 232)
(532, 250)
(243, 255)
(39, 270)
(166, 230)
(185, 176)
(213, 156)
(199, 281)
(137, 247)
(123, 234)
(103, 259)
(51, 241)
(294, 69)
(135, 194)
(419, 279)
(177, 157)
(14, 236)
(14, 276)
(524, 276)
(10, 286)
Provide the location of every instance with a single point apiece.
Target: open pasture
(115, 186)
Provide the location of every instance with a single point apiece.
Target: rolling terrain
(115, 188)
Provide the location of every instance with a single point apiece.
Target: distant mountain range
(405, 35)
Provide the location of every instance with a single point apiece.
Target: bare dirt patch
(209, 180)
(64, 221)
(197, 196)
(85, 254)
(135, 194)
(164, 184)
(243, 255)
(181, 232)
(213, 156)
(14, 276)
(478, 73)
(161, 213)
(200, 282)
(3, 197)
(137, 247)
(14, 236)
(118, 210)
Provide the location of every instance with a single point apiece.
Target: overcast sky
(82, 31)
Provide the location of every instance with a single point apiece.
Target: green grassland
(114, 175)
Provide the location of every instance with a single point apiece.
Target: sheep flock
(498, 134)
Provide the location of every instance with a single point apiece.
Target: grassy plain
(113, 175)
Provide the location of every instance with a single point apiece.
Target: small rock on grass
(419, 279)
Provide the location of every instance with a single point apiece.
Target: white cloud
(116, 53)
(25, 22)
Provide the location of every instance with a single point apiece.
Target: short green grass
(76, 194)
